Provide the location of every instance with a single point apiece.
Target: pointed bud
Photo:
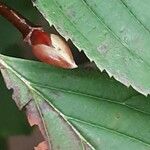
(51, 49)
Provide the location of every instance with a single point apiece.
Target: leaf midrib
(42, 118)
(107, 129)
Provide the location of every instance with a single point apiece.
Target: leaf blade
(95, 120)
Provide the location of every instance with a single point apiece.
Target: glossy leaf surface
(79, 109)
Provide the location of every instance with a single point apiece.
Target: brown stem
(22, 24)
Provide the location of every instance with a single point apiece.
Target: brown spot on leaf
(34, 118)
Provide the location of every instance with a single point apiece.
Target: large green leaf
(79, 109)
(113, 33)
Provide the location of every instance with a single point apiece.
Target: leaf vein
(92, 96)
(115, 35)
(109, 129)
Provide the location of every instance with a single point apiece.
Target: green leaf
(12, 121)
(113, 33)
(79, 109)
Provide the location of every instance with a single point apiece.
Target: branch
(22, 24)
(50, 49)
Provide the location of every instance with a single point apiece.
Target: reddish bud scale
(40, 37)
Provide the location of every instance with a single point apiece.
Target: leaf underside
(79, 109)
(113, 33)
